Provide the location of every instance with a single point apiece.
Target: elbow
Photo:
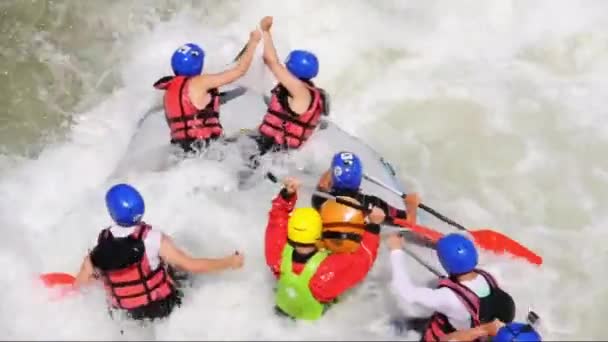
(189, 265)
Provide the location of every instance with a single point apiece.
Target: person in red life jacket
(310, 279)
(192, 101)
(296, 105)
(344, 179)
(467, 298)
(134, 261)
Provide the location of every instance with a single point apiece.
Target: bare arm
(412, 201)
(171, 254)
(484, 330)
(202, 83)
(296, 87)
(324, 183)
(86, 273)
(465, 335)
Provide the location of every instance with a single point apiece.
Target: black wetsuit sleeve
(317, 201)
(370, 200)
(286, 195)
(372, 228)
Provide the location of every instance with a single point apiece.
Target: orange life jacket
(185, 121)
(128, 279)
(285, 126)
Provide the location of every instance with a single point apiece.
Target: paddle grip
(421, 206)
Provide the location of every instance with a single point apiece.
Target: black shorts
(194, 145)
(158, 309)
(264, 145)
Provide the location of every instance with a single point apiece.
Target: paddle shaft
(325, 195)
(421, 232)
(421, 206)
(274, 179)
(422, 262)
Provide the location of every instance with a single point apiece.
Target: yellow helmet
(304, 226)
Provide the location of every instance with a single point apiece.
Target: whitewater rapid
(492, 110)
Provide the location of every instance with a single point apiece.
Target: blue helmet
(346, 171)
(188, 60)
(125, 205)
(303, 64)
(517, 332)
(457, 254)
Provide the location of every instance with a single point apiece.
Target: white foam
(498, 104)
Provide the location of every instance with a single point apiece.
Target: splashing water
(492, 110)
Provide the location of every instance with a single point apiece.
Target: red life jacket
(285, 126)
(439, 324)
(185, 121)
(128, 279)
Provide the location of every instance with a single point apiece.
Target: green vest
(293, 295)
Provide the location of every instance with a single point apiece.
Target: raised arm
(210, 81)
(296, 87)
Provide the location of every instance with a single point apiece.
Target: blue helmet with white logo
(457, 254)
(517, 332)
(302, 64)
(125, 205)
(188, 60)
(346, 171)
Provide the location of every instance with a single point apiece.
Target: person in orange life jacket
(192, 101)
(466, 299)
(499, 331)
(344, 179)
(296, 104)
(133, 260)
(309, 278)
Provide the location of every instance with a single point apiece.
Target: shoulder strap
(163, 83)
(286, 265)
(312, 265)
(325, 101)
(282, 94)
(141, 231)
(468, 298)
(489, 278)
(104, 234)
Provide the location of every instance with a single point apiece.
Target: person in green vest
(310, 277)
